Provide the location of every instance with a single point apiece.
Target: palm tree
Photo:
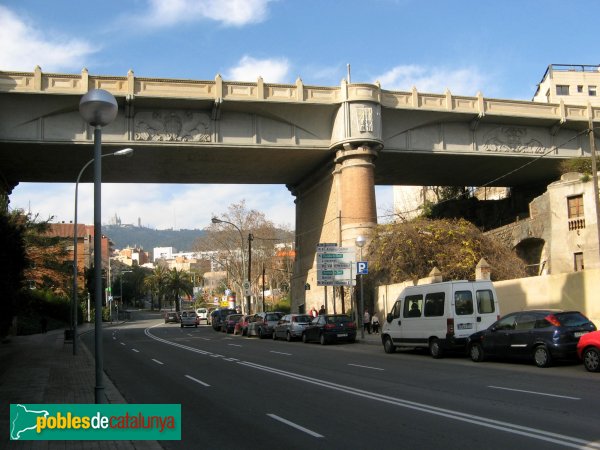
(156, 283)
(178, 282)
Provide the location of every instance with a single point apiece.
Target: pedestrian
(322, 310)
(375, 323)
(367, 321)
(313, 312)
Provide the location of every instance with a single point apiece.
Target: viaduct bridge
(329, 145)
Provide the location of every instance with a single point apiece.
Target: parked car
(241, 326)
(171, 317)
(262, 324)
(189, 319)
(541, 335)
(588, 349)
(330, 327)
(218, 316)
(202, 315)
(291, 326)
(228, 324)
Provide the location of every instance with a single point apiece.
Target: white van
(440, 316)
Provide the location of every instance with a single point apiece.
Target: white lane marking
(135, 350)
(542, 435)
(230, 359)
(206, 339)
(477, 420)
(157, 361)
(366, 367)
(534, 392)
(197, 381)
(281, 353)
(214, 355)
(122, 343)
(295, 425)
(235, 345)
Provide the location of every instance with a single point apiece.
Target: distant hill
(128, 235)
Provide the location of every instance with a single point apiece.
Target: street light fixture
(360, 242)
(250, 238)
(124, 152)
(98, 108)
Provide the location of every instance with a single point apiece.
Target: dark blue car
(541, 335)
(330, 327)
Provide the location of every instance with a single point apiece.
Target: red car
(242, 326)
(588, 349)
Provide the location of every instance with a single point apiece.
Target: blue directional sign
(362, 267)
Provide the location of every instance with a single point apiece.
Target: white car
(202, 314)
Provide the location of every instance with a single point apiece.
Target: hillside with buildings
(147, 238)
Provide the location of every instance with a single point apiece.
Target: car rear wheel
(304, 338)
(591, 359)
(435, 348)
(274, 336)
(288, 337)
(541, 356)
(476, 352)
(388, 345)
(322, 339)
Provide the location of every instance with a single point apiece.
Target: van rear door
(487, 307)
(465, 316)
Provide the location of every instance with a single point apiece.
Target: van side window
(434, 304)
(463, 303)
(413, 305)
(396, 310)
(485, 301)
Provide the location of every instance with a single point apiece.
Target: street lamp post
(124, 152)
(121, 288)
(250, 237)
(98, 108)
(360, 242)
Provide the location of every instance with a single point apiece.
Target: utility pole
(594, 173)
(250, 239)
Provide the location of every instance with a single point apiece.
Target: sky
(500, 49)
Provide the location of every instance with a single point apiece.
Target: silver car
(291, 326)
(263, 323)
(189, 319)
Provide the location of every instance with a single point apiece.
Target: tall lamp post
(124, 152)
(360, 242)
(250, 237)
(98, 108)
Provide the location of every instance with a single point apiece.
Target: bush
(35, 304)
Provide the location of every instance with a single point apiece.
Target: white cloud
(274, 70)
(166, 13)
(23, 46)
(465, 81)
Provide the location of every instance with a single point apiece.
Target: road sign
(246, 285)
(335, 265)
(362, 267)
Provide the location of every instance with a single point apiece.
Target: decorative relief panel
(512, 140)
(364, 117)
(169, 125)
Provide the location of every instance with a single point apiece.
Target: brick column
(357, 205)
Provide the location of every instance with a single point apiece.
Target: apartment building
(570, 83)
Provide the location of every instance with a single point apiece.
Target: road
(246, 393)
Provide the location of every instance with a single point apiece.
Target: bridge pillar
(358, 208)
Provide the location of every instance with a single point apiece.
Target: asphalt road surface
(247, 393)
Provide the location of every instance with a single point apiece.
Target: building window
(578, 260)
(580, 89)
(575, 212)
(592, 91)
(575, 204)
(562, 89)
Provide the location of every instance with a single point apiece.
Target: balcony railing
(576, 224)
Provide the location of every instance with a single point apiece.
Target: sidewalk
(370, 338)
(41, 369)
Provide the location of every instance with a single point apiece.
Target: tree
(13, 261)
(230, 242)
(410, 250)
(178, 282)
(156, 283)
